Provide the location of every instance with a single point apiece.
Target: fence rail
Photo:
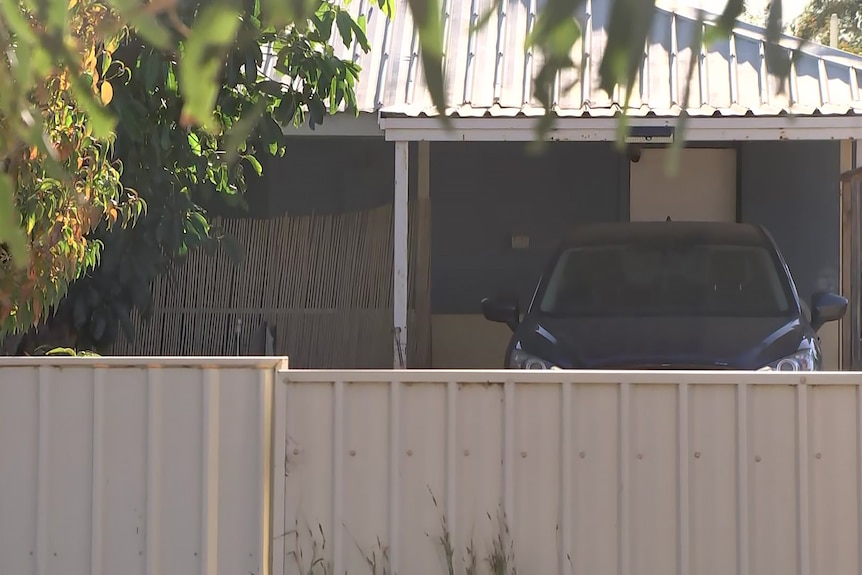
(575, 472)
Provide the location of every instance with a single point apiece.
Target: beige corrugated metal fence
(135, 466)
(572, 473)
(229, 466)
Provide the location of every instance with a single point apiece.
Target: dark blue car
(666, 295)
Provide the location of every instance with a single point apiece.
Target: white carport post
(400, 251)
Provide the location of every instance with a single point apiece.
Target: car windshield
(671, 280)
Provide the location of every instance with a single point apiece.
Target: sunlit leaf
(679, 143)
(106, 92)
(240, 131)
(628, 28)
(426, 15)
(201, 61)
(100, 119)
(195, 143)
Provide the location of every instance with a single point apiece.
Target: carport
(733, 100)
(484, 211)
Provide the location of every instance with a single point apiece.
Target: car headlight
(800, 361)
(522, 360)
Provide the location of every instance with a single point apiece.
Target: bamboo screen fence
(323, 283)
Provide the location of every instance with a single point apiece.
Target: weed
(472, 560)
(378, 564)
(502, 557)
(445, 539)
(317, 564)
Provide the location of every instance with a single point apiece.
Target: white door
(703, 189)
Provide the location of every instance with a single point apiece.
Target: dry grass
(378, 561)
(500, 559)
(315, 563)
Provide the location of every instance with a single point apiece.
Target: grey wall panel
(327, 175)
(483, 193)
(792, 188)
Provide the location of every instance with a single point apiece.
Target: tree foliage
(813, 23)
(60, 179)
(194, 117)
(162, 149)
(182, 173)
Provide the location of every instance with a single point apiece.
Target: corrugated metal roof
(489, 73)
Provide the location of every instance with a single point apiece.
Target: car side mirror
(502, 309)
(826, 307)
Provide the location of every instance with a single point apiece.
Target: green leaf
(286, 110)
(271, 88)
(106, 64)
(171, 84)
(486, 17)
(316, 111)
(195, 143)
(255, 164)
(213, 32)
(679, 143)
(732, 11)
(323, 21)
(360, 27)
(151, 64)
(240, 130)
(14, 17)
(388, 7)
(11, 233)
(628, 29)
(345, 27)
(100, 119)
(426, 15)
(55, 14)
(144, 23)
(776, 56)
(282, 13)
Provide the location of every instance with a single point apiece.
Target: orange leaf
(90, 61)
(107, 93)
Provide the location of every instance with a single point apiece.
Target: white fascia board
(605, 129)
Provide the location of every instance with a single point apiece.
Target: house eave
(843, 127)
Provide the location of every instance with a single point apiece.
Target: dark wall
(792, 188)
(326, 175)
(483, 193)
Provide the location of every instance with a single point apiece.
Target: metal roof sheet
(489, 72)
